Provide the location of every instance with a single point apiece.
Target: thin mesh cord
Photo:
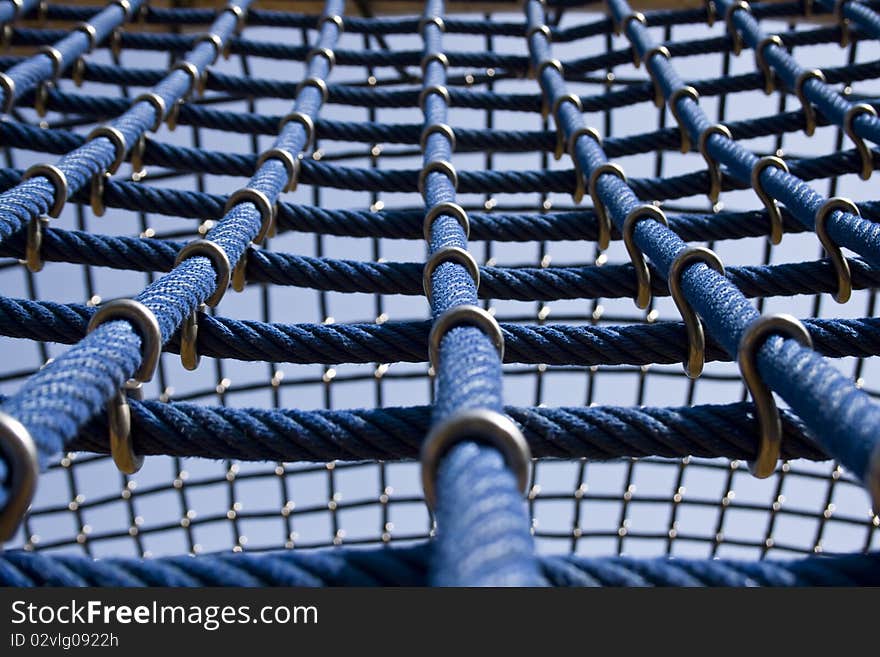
(652, 506)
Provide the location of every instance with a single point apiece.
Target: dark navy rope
(409, 567)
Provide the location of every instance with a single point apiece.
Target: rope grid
(632, 192)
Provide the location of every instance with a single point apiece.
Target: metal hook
(32, 256)
(769, 202)
(761, 61)
(96, 193)
(457, 316)
(593, 134)
(677, 95)
(290, 162)
(449, 254)
(841, 264)
(560, 131)
(693, 366)
(264, 206)
(809, 111)
(20, 454)
(643, 274)
(604, 221)
(58, 181)
(437, 166)
(770, 425)
(732, 32)
(547, 63)
(446, 208)
(865, 153)
(482, 425)
(713, 166)
(144, 322)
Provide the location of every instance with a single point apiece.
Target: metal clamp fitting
(318, 84)
(189, 354)
(437, 166)
(463, 315)
(144, 322)
(90, 32)
(437, 128)
(696, 357)
(769, 202)
(264, 206)
(59, 183)
(7, 84)
(438, 89)
(159, 108)
(841, 264)
(431, 20)
(433, 57)
(449, 254)
(732, 32)
(96, 193)
(196, 79)
(560, 131)
(571, 144)
(675, 96)
(663, 51)
(713, 166)
(765, 406)
(214, 40)
(603, 220)
(117, 139)
(761, 61)
(481, 425)
(305, 121)
(446, 208)
(336, 19)
(865, 153)
(56, 57)
(20, 453)
(809, 111)
(326, 53)
(643, 274)
(842, 22)
(290, 162)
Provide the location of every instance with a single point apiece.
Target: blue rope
(409, 567)
(842, 416)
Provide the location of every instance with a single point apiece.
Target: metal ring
(290, 162)
(23, 467)
(137, 155)
(438, 89)
(643, 274)
(116, 138)
(41, 97)
(7, 84)
(437, 128)
(433, 57)
(864, 152)
(677, 95)
(713, 166)
(437, 166)
(560, 131)
(264, 207)
(449, 254)
(239, 272)
(656, 50)
(593, 134)
(240, 17)
(125, 6)
(761, 61)
(58, 180)
(336, 19)
(604, 221)
(318, 84)
(463, 314)
(841, 264)
(553, 63)
(305, 121)
(769, 202)
(769, 423)
(480, 425)
(119, 428)
(96, 194)
(693, 366)
(194, 76)
(215, 253)
(34, 243)
(91, 34)
(116, 41)
(731, 28)
(174, 114)
(620, 28)
(57, 59)
(446, 208)
(431, 20)
(144, 322)
(535, 29)
(214, 40)
(326, 53)
(159, 108)
(809, 112)
(842, 22)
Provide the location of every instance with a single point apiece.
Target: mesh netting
(256, 449)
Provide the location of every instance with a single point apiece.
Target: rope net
(289, 414)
